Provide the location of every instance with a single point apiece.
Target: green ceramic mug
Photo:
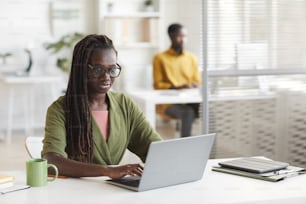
(37, 172)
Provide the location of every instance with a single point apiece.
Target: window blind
(255, 63)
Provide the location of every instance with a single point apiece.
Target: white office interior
(252, 54)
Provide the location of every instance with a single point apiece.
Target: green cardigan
(128, 129)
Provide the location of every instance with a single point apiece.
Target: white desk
(148, 99)
(26, 83)
(214, 187)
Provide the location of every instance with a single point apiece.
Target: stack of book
(6, 181)
(259, 168)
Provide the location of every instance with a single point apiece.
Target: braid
(79, 135)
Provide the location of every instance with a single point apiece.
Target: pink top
(101, 118)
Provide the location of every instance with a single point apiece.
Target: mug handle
(55, 170)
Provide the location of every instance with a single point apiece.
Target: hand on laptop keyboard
(125, 170)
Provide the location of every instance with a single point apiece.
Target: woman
(90, 127)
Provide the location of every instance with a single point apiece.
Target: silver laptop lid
(176, 161)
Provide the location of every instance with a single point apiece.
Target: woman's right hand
(125, 170)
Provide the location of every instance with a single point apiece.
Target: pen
(14, 188)
(288, 175)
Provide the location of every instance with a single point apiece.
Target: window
(255, 37)
(256, 62)
(275, 25)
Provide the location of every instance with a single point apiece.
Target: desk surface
(29, 79)
(194, 95)
(168, 96)
(214, 187)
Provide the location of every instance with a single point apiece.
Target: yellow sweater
(170, 69)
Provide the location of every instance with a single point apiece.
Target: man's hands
(186, 86)
(121, 171)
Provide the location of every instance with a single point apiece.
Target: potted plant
(148, 5)
(3, 56)
(64, 46)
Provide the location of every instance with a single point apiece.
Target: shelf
(133, 32)
(138, 45)
(133, 15)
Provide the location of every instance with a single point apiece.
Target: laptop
(171, 162)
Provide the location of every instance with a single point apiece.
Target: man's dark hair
(79, 136)
(174, 28)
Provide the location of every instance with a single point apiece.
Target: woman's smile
(104, 84)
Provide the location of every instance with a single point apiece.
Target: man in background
(177, 68)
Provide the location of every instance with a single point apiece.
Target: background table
(26, 83)
(148, 99)
(214, 187)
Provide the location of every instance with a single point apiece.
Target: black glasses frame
(99, 71)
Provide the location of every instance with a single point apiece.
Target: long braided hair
(79, 134)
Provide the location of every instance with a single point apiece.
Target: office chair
(166, 119)
(34, 146)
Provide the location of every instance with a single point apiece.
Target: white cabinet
(133, 30)
(136, 33)
(129, 24)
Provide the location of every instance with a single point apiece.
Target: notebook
(171, 162)
(254, 165)
(273, 176)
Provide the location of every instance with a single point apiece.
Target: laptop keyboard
(130, 181)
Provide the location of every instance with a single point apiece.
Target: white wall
(25, 25)
(188, 13)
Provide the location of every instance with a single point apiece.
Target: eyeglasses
(98, 71)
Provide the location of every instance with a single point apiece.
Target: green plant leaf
(65, 42)
(4, 55)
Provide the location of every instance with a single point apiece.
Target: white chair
(34, 146)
